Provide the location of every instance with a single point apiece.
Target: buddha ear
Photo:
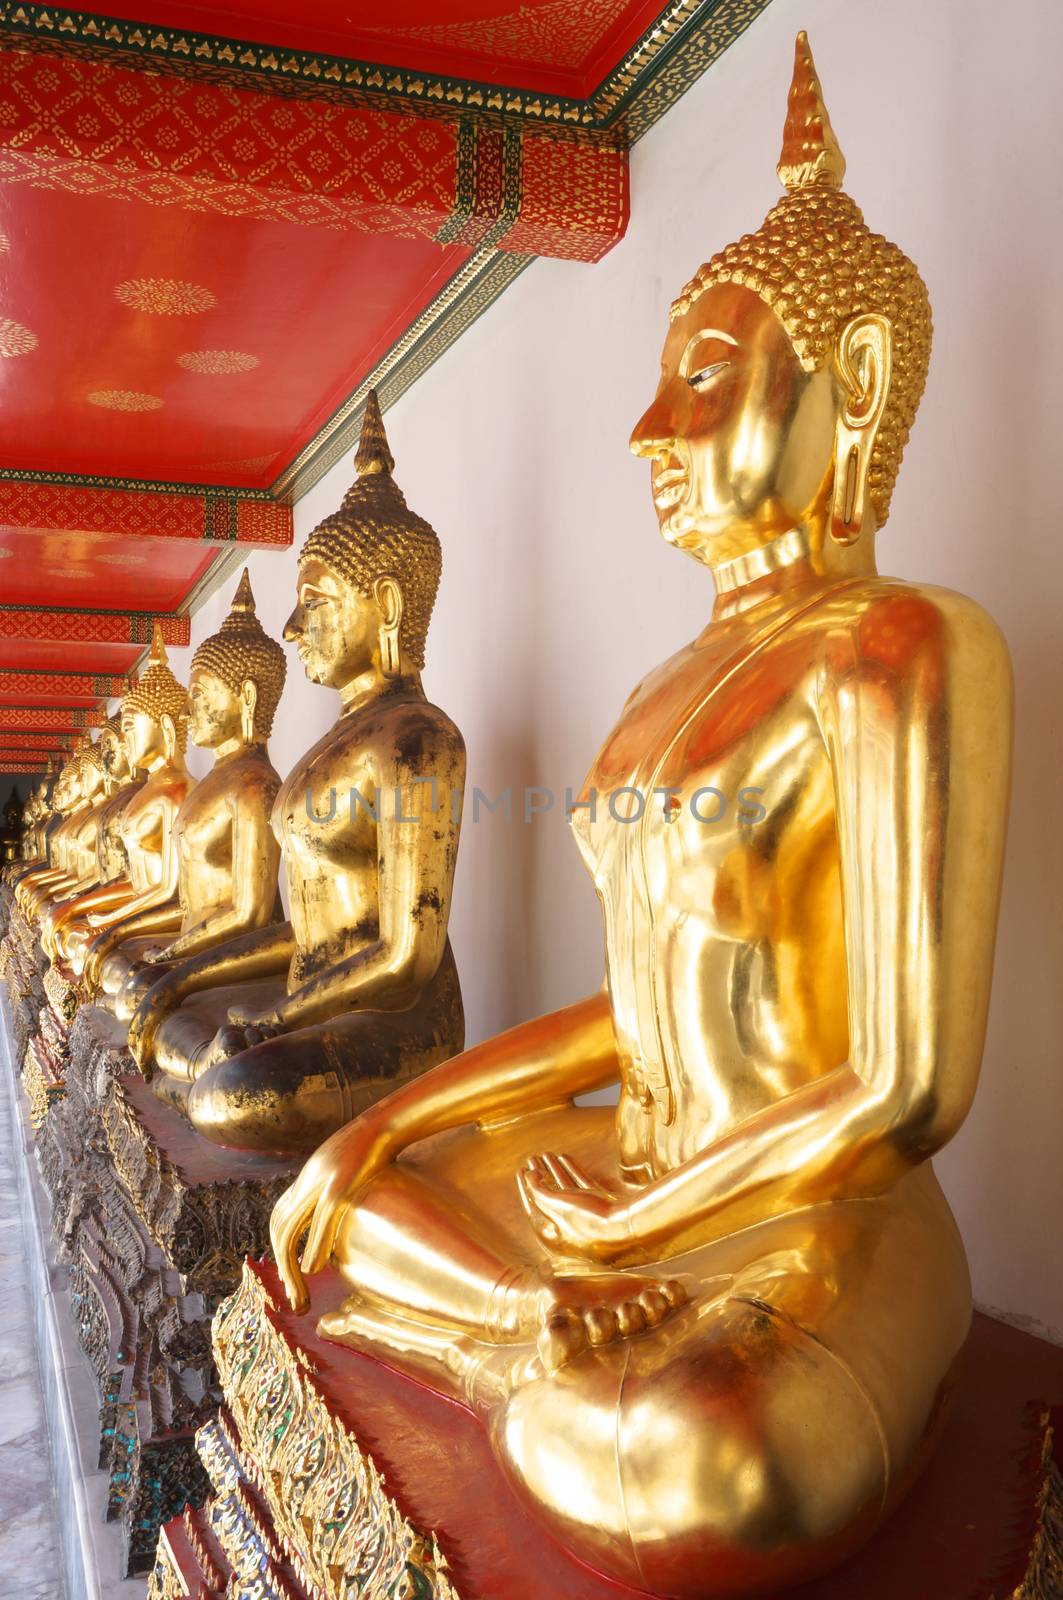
(248, 702)
(863, 362)
(388, 597)
(168, 729)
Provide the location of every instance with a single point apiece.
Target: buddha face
(334, 627)
(740, 437)
(112, 754)
(91, 779)
(214, 710)
(142, 736)
(63, 794)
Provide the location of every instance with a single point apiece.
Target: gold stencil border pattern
(684, 40)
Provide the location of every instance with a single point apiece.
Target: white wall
(558, 593)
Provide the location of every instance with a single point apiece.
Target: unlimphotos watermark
(425, 798)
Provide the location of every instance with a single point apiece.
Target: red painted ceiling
(555, 46)
(196, 272)
(300, 310)
(41, 655)
(98, 572)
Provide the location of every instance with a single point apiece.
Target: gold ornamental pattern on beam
(682, 42)
(166, 141)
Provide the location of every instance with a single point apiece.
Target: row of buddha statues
(709, 1327)
(162, 892)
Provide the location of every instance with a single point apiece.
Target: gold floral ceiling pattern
(164, 297)
(15, 340)
(217, 361)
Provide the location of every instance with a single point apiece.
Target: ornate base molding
(154, 1227)
(1044, 1575)
(298, 1503)
(333, 1477)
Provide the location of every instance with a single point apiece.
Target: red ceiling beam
(8, 764)
(30, 505)
(41, 743)
(61, 685)
(90, 127)
(56, 718)
(90, 627)
(9, 753)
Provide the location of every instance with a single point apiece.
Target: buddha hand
(236, 1036)
(320, 1196)
(267, 1023)
(571, 1213)
(147, 1019)
(95, 956)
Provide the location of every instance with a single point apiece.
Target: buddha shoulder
(885, 628)
(405, 732)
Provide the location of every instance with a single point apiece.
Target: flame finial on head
(811, 154)
(243, 600)
(157, 656)
(374, 452)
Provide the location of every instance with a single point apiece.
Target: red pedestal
(966, 1532)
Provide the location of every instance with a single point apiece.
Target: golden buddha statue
(31, 814)
(11, 827)
(227, 854)
(35, 813)
(44, 810)
(46, 859)
(154, 727)
(112, 887)
(359, 990)
(710, 1330)
(70, 803)
(121, 783)
(77, 845)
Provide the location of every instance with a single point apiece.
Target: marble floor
(30, 1566)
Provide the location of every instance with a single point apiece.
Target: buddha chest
(707, 822)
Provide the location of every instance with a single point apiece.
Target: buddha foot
(570, 1316)
(592, 1311)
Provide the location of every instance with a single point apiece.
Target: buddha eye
(697, 379)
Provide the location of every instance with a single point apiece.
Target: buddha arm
(159, 894)
(82, 885)
(157, 919)
(538, 1064)
(262, 953)
(104, 897)
(254, 863)
(920, 756)
(40, 876)
(417, 845)
(259, 954)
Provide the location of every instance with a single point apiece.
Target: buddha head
(236, 680)
(67, 790)
(113, 751)
(793, 366)
(368, 576)
(154, 713)
(90, 771)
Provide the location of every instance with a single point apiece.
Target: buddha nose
(654, 433)
(293, 627)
